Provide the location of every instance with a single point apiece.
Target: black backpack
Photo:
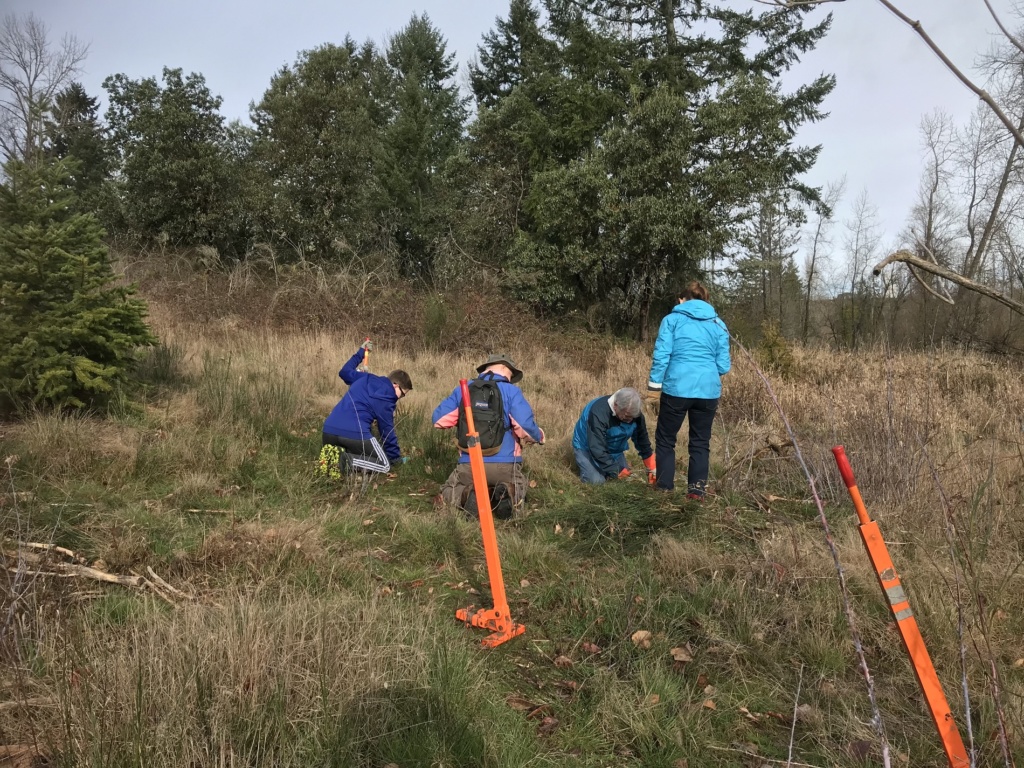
(488, 417)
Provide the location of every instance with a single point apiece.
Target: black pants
(366, 454)
(701, 414)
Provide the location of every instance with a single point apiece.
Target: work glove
(652, 469)
(625, 474)
(654, 400)
(367, 344)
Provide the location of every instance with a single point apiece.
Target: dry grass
(323, 628)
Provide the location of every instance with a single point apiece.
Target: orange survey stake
(498, 620)
(905, 621)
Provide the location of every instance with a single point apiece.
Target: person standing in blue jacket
(602, 435)
(370, 400)
(691, 355)
(504, 468)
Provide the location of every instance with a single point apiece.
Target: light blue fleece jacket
(691, 352)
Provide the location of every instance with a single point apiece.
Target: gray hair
(627, 400)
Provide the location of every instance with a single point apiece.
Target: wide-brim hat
(517, 375)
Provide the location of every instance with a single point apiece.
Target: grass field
(307, 622)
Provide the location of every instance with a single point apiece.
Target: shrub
(774, 352)
(67, 334)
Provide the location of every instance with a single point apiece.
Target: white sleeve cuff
(652, 385)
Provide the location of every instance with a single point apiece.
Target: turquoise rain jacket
(691, 352)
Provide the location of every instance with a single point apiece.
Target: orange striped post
(905, 621)
(499, 619)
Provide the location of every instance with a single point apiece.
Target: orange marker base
(501, 626)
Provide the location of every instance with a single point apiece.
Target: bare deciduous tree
(31, 73)
(820, 244)
(999, 108)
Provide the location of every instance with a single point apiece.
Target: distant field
(298, 622)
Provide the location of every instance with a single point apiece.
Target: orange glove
(652, 469)
(626, 472)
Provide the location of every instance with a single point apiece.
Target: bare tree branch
(981, 93)
(31, 74)
(1006, 33)
(906, 257)
(946, 298)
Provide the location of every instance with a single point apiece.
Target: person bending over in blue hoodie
(370, 400)
(602, 435)
(691, 355)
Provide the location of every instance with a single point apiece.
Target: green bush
(67, 334)
(774, 352)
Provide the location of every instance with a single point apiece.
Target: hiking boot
(501, 502)
(696, 491)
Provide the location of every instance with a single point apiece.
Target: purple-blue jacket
(519, 422)
(369, 398)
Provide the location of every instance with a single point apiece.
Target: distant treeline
(605, 151)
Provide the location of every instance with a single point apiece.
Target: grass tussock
(315, 626)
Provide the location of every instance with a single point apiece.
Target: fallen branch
(947, 298)
(910, 259)
(42, 701)
(72, 570)
(164, 585)
(54, 548)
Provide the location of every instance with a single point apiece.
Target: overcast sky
(887, 78)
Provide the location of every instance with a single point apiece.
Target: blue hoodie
(691, 353)
(369, 398)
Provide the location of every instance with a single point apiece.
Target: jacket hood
(697, 309)
(381, 388)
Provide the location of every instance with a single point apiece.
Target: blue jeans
(701, 414)
(589, 473)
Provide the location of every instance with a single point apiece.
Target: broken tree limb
(44, 701)
(910, 259)
(71, 570)
(947, 298)
(164, 585)
(54, 548)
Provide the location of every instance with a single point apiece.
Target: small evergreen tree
(67, 335)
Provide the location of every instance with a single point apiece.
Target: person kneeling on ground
(370, 400)
(504, 421)
(602, 435)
